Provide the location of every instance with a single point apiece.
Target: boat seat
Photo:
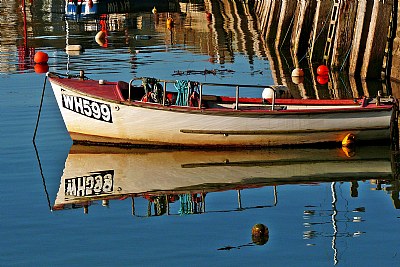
(137, 92)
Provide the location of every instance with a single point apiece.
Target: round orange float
(41, 68)
(41, 57)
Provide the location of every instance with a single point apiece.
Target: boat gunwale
(223, 111)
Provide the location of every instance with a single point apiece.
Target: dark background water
(339, 211)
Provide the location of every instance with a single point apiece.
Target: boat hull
(91, 119)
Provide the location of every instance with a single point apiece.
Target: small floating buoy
(322, 79)
(297, 72)
(322, 70)
(259, 234)
(41, 68)
(100, 38)
(170, 23)
(41, 57)
(154, 10)
(348, 140)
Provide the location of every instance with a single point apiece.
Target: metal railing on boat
(201, 85)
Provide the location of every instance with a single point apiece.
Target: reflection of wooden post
(239, 200)
(167, 204)
(340, 85)
(85, 208)
(270, 30)
(263, 14)
(344, 33)
(377, 39)
(133, 206)
(354, 85)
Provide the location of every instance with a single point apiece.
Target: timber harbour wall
(359, 36)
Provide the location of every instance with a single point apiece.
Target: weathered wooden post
(271, 27)
(303, 20)
(285, 22)
(377, 39)
(320, 30)
(344, 33)
(363, 18)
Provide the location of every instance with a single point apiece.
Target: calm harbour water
(322, 207)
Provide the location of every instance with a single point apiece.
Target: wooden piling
(363, 18)
(285, 22)
(377, 39)
(344, 33)
(320, 30)
(272, 23)
(303, 20)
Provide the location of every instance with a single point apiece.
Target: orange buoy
(41, 57)
(348, 140)
(170, 22)
(322, 70)
(297, 72)
(322, 79)
(41, 68)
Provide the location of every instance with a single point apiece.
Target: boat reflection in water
(99, 174)
(85, 8)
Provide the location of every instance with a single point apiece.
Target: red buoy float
(322, 79)
(41, 57)
(41, 68)
(322, 70)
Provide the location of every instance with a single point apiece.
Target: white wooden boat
(156, 113)
(94, 173)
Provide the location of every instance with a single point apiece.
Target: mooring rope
(40, 109)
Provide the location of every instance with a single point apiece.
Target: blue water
(312, 218)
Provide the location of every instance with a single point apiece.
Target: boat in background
(151, 112)
(95, 174)
(87, 8)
